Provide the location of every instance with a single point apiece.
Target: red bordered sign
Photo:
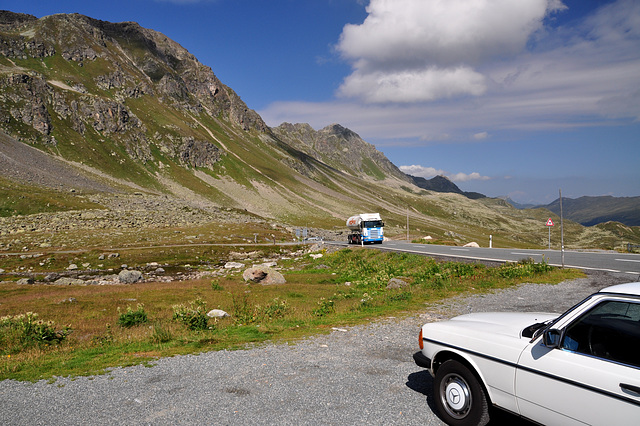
(549, 222)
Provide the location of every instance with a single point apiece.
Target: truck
(365, 228)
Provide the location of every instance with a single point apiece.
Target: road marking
(459, 249)
(527, 254)
(627, 260)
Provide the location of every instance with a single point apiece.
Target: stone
(263, 275)
(72, 267)
(217, 313)
(471, 244)
(396, 283)
(69, 281)
(23, 281)
(130, 277)
(233, 265)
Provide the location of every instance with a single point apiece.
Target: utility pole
(561, 229)
(407, 223)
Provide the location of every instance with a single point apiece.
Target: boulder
(396, 283)
(471, 244)
(129, 277)
(23, 281)
(233, 265)
(217, 313)
(263, 275)
(69, 281)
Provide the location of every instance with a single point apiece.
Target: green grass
(343, 288)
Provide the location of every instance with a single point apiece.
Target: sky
(507, 98)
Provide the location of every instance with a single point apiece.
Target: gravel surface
(356, 375)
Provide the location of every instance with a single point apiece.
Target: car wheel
(459, 396)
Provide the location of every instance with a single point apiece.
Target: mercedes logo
(454, 396)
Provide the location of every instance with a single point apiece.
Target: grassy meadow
(84, 330)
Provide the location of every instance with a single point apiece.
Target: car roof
(629, 288)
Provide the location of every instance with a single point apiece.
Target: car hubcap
(456, 396)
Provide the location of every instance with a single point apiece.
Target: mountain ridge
(129, 108)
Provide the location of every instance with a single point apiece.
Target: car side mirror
(551, 338)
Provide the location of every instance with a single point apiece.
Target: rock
(233, 265)
(69, 300)
(51, 277)
(428, 237)
(23, 281)
(263, 275)
(69, 281)
(217, 313)
(316, 255)
(72, 267)
(396, 283)
(471, 244)
(129, 277)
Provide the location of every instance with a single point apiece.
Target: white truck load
(365, 228)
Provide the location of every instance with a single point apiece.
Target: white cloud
(422, 50)
(572, 77)
(429, 172)
(420, 171)
(481, 136)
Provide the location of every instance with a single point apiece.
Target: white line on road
(457, 249)
(527, 254)
(627, 260)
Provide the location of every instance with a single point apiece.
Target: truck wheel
(459, 396)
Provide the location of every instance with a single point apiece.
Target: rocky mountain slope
(96, 114)
(593, 210)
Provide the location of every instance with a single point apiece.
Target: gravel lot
(355, 375)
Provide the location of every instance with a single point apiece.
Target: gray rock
(396, 283)
(69, 281)
(233, 265)
(263, 275)
(130, 277)
(23, 281)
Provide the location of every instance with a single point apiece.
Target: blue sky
(519, 98)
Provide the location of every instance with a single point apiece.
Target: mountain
(119, 118)
(443, 184)
(591, 211)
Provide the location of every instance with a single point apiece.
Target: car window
(610, 330)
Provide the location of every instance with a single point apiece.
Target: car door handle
(630, 388)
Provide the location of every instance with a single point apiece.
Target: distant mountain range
(590, 211)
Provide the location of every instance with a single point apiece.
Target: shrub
(194, 316)
(325, 307)
(26, 329)
(277, 308)
(132, 318)
(160, 334)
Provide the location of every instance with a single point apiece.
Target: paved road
(627, 263)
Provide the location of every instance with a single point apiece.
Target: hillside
(591, 211)
(124, 124)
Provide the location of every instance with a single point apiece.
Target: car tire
(459, 397)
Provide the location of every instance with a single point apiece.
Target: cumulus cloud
(581, 75)
(422, 50)
(429, 172)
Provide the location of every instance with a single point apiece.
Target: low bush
(132, 318)
(194, 316)
(25, 330)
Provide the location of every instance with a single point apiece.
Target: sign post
(549, 224)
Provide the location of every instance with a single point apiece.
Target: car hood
(496, 334)
(500, 323)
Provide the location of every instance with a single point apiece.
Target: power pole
(561, 229)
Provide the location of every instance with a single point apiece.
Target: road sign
(549, 222)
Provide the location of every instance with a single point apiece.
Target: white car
(582, 367)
